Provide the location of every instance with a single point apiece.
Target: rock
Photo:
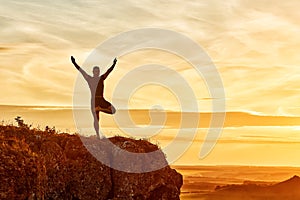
(88, 178)
(38, 165)
(21, 172)
(161, 184)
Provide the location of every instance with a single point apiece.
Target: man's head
(96, 71)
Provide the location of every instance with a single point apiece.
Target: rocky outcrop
(37, 164)
(161, 184)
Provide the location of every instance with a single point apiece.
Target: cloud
(4, 49)
(254, 44)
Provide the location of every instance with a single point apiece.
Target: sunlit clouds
(254, 45)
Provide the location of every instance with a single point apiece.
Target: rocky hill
(288, 190)
(37, 164)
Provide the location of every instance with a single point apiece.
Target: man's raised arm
(110, 69)
(84, 74)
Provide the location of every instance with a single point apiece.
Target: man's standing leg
(96, 122)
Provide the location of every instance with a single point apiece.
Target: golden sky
(253, 44)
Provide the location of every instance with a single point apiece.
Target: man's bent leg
(107, 107)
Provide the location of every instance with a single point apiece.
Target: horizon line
(249, 112)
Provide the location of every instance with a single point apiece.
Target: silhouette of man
(96, 85)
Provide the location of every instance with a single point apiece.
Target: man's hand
(74, 63)
(73, 59)
(115, 60)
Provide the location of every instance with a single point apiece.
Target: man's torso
(96, 85)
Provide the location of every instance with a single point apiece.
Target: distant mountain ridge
(292, 185)
(287, 190)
